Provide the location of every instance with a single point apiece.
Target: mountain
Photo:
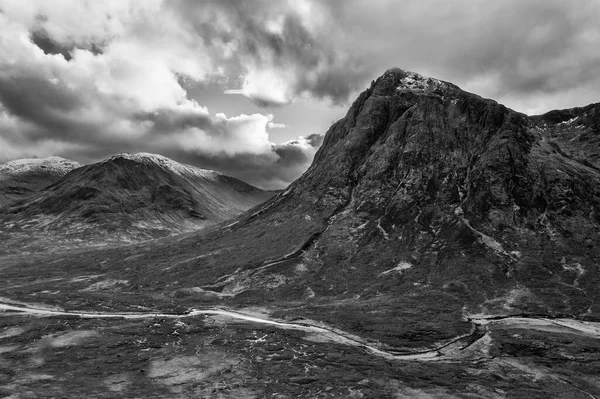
(24, 177)
(131, 197)
(576, 132)
(423, 199)
(422, 193)
(426, 191)
(440, 245)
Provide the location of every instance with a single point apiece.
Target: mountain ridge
(132, 197)
(455, 236)
(430, 194)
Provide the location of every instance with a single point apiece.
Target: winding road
(444, 351)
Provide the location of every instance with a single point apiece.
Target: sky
(249, 87)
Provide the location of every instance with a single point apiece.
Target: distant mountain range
(125, 198)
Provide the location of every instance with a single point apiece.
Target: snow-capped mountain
(126, 198)
(24, 177)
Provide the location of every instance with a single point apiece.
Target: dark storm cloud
(17, 96)
(525, 53)
(41, 39)
(86, 80)
(515, 50)
(274, 36)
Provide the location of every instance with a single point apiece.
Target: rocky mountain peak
(477, 198)
(165, 163)
(407, 81)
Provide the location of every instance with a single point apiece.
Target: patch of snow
(56, 165)
(569, 121)
(362, 226)
(419, 83)
(168, 164)
(402, 266)
(488, 241)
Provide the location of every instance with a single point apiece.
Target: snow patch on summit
(419, 83)
(168, 164)
(55, 165)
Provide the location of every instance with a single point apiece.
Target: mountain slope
(454, 238)
(24, 177)
(130, 197)
(576, 132)
(423, 194)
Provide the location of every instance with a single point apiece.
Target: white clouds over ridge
(105, 77)
(86, 79)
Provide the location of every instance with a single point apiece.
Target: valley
(441, 245)
(236, 342)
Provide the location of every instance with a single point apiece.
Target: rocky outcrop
(481, 201)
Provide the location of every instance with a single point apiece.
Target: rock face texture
(424, 199)
(435, 187)
(443, 245)
(132, 197)
(24, 177)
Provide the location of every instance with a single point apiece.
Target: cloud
(533, 56)
(281, 50)
(271, 170)
(272, 125)
(87, 79)
(116, 83)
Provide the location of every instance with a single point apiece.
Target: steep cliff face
(437, 188)
(428, 194)
(575, 132)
